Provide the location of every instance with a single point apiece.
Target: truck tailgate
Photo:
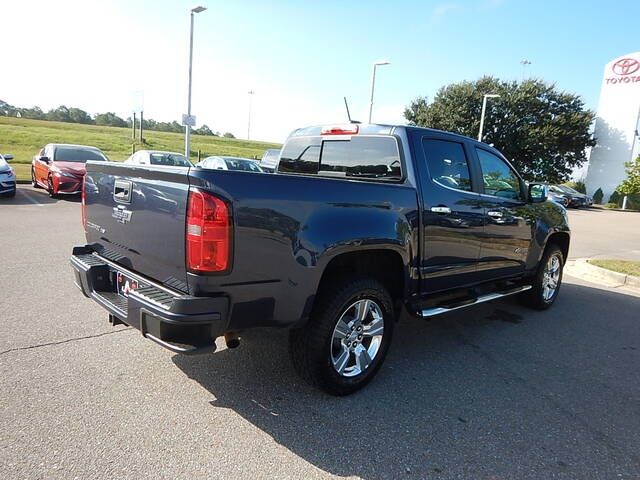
(135, 217)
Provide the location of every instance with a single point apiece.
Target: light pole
(524, 63)
(188, 122)
(484, 109)
(373, 83)
(250, 92)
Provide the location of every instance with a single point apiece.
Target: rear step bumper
(178, 322)
(439, 310)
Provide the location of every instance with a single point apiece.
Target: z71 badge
(121, 214)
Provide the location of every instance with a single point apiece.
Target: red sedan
(60, 168)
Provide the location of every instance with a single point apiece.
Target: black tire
(310, 347)
(535, 297)
(52, 194)
(34, 184)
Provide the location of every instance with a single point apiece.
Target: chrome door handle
(440, 209)
(495, 214)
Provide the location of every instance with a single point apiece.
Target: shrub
(631, 184)
(615, 198)
(611, 205)
(597, 196)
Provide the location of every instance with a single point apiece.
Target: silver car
(7, 177)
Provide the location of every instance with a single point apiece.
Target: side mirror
(538, 192)
(44, 159)
(8, 156)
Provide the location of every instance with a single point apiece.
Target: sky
(299, 57)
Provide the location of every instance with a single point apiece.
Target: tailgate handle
(122, 191)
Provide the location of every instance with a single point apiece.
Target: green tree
(542, 130)
(203, 130)
(110, 119)
(77, 115)
(229, 135)
(631, 184)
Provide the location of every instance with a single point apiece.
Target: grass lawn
(622, 266)
(23, 138)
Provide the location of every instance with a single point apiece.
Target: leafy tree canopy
(631, 184)
(542, 130)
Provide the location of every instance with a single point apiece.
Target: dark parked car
(361, 223)
(575, 198)
(60, 168)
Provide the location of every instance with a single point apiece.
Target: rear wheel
(546, 283)
(346, 340)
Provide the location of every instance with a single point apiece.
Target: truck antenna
(346, 105)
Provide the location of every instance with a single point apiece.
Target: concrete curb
(581, 268)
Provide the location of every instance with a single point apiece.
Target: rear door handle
(495, 214)
(440, 209)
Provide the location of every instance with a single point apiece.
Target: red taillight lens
(208, 233)
(84, 205)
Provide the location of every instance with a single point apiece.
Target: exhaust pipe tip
(231, 339)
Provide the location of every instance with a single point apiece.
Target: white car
(7, 177)
(159, 158)
(230, 163)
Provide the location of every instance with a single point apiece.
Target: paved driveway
(493, 392)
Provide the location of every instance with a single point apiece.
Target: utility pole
(141, 122)
(133, 126)
(251, 92)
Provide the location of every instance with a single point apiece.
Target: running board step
(432, 312)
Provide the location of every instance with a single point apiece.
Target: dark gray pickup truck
(359, 224)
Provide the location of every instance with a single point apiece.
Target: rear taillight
(84, 205)
(208, 235)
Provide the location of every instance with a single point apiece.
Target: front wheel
(50, 188)
(346, 340)
(546, 284)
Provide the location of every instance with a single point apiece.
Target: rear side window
(447, 163)
(359, 157)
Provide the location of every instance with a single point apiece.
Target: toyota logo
(625, 66)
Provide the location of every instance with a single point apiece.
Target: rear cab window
(375, 157)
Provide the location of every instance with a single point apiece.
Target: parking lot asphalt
(492, 392)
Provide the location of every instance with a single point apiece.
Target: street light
(525, 63)
(251, 93)
(373, 83)
(484, 108)
(189, 121)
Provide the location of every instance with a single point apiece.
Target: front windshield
(169, 159)
(77, 154)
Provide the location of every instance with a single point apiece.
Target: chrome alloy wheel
(357, 338)
(551, 277)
